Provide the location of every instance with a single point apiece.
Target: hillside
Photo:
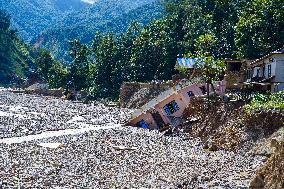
(31, 17)
(58, 21)
(15, 56)
(87, 23)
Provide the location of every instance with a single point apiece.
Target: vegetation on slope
(260, 102)
(31, 17)
(104, 17)
(149, 53)
(15, 56)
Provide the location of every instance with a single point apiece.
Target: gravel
(122, 157)
(22, 114)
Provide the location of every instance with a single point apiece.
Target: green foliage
(104, 16)
(43, 64)
(57, 75)
(209, 29)
(80, 73)
(32, 17)
(15, 56)
(266, 102)
(260, 28)
(265, 112)
(209, 67)
(4, 20)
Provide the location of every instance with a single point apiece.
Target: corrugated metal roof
(186, 62)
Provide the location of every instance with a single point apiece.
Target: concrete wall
(273, 67)
(279, 58)
(180, 97)
(277, 69)
(147, 117)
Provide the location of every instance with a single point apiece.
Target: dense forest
(106, 16)
(236, 29)
(50, 24)
(229, 29)
(31, 17)
(15, 55)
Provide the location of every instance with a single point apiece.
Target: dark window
(249, 74)
(257, 73)
(269, 70)
(158, 119)
(263, 72)
(190, 93)
(171, 107)
(234, 66)
(142, 124)
(203, 89)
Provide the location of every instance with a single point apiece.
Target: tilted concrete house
(169, 106)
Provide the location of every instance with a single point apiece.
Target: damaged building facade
(169, 106)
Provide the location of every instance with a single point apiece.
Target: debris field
(47, 142)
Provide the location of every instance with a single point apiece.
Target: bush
(265, 112)
(274, 101)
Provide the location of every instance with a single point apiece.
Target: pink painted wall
(181, 98)
(147, 117)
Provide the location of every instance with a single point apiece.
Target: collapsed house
(234, 73)
(169, 106)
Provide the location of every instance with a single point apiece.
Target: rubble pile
(135, 95)
(227, 125)
(142, 96)
(219, 125)
(121, 157)
(265, 121)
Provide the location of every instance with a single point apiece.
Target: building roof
(186, 62)
(278, 51)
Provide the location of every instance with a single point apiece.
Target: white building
(267, 73)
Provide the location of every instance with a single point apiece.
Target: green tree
(43, 64)
(4, 20)
(80, 73)
(105, 51)
(209, 67)
(57, 75)
(260, 28)
(154, 52)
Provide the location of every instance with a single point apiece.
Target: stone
(257, 183)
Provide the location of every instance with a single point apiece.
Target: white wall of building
(279, 77)
(273, 67)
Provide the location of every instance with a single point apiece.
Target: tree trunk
(208, 95)
(213, 88)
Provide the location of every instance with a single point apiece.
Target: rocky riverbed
(97, 152)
